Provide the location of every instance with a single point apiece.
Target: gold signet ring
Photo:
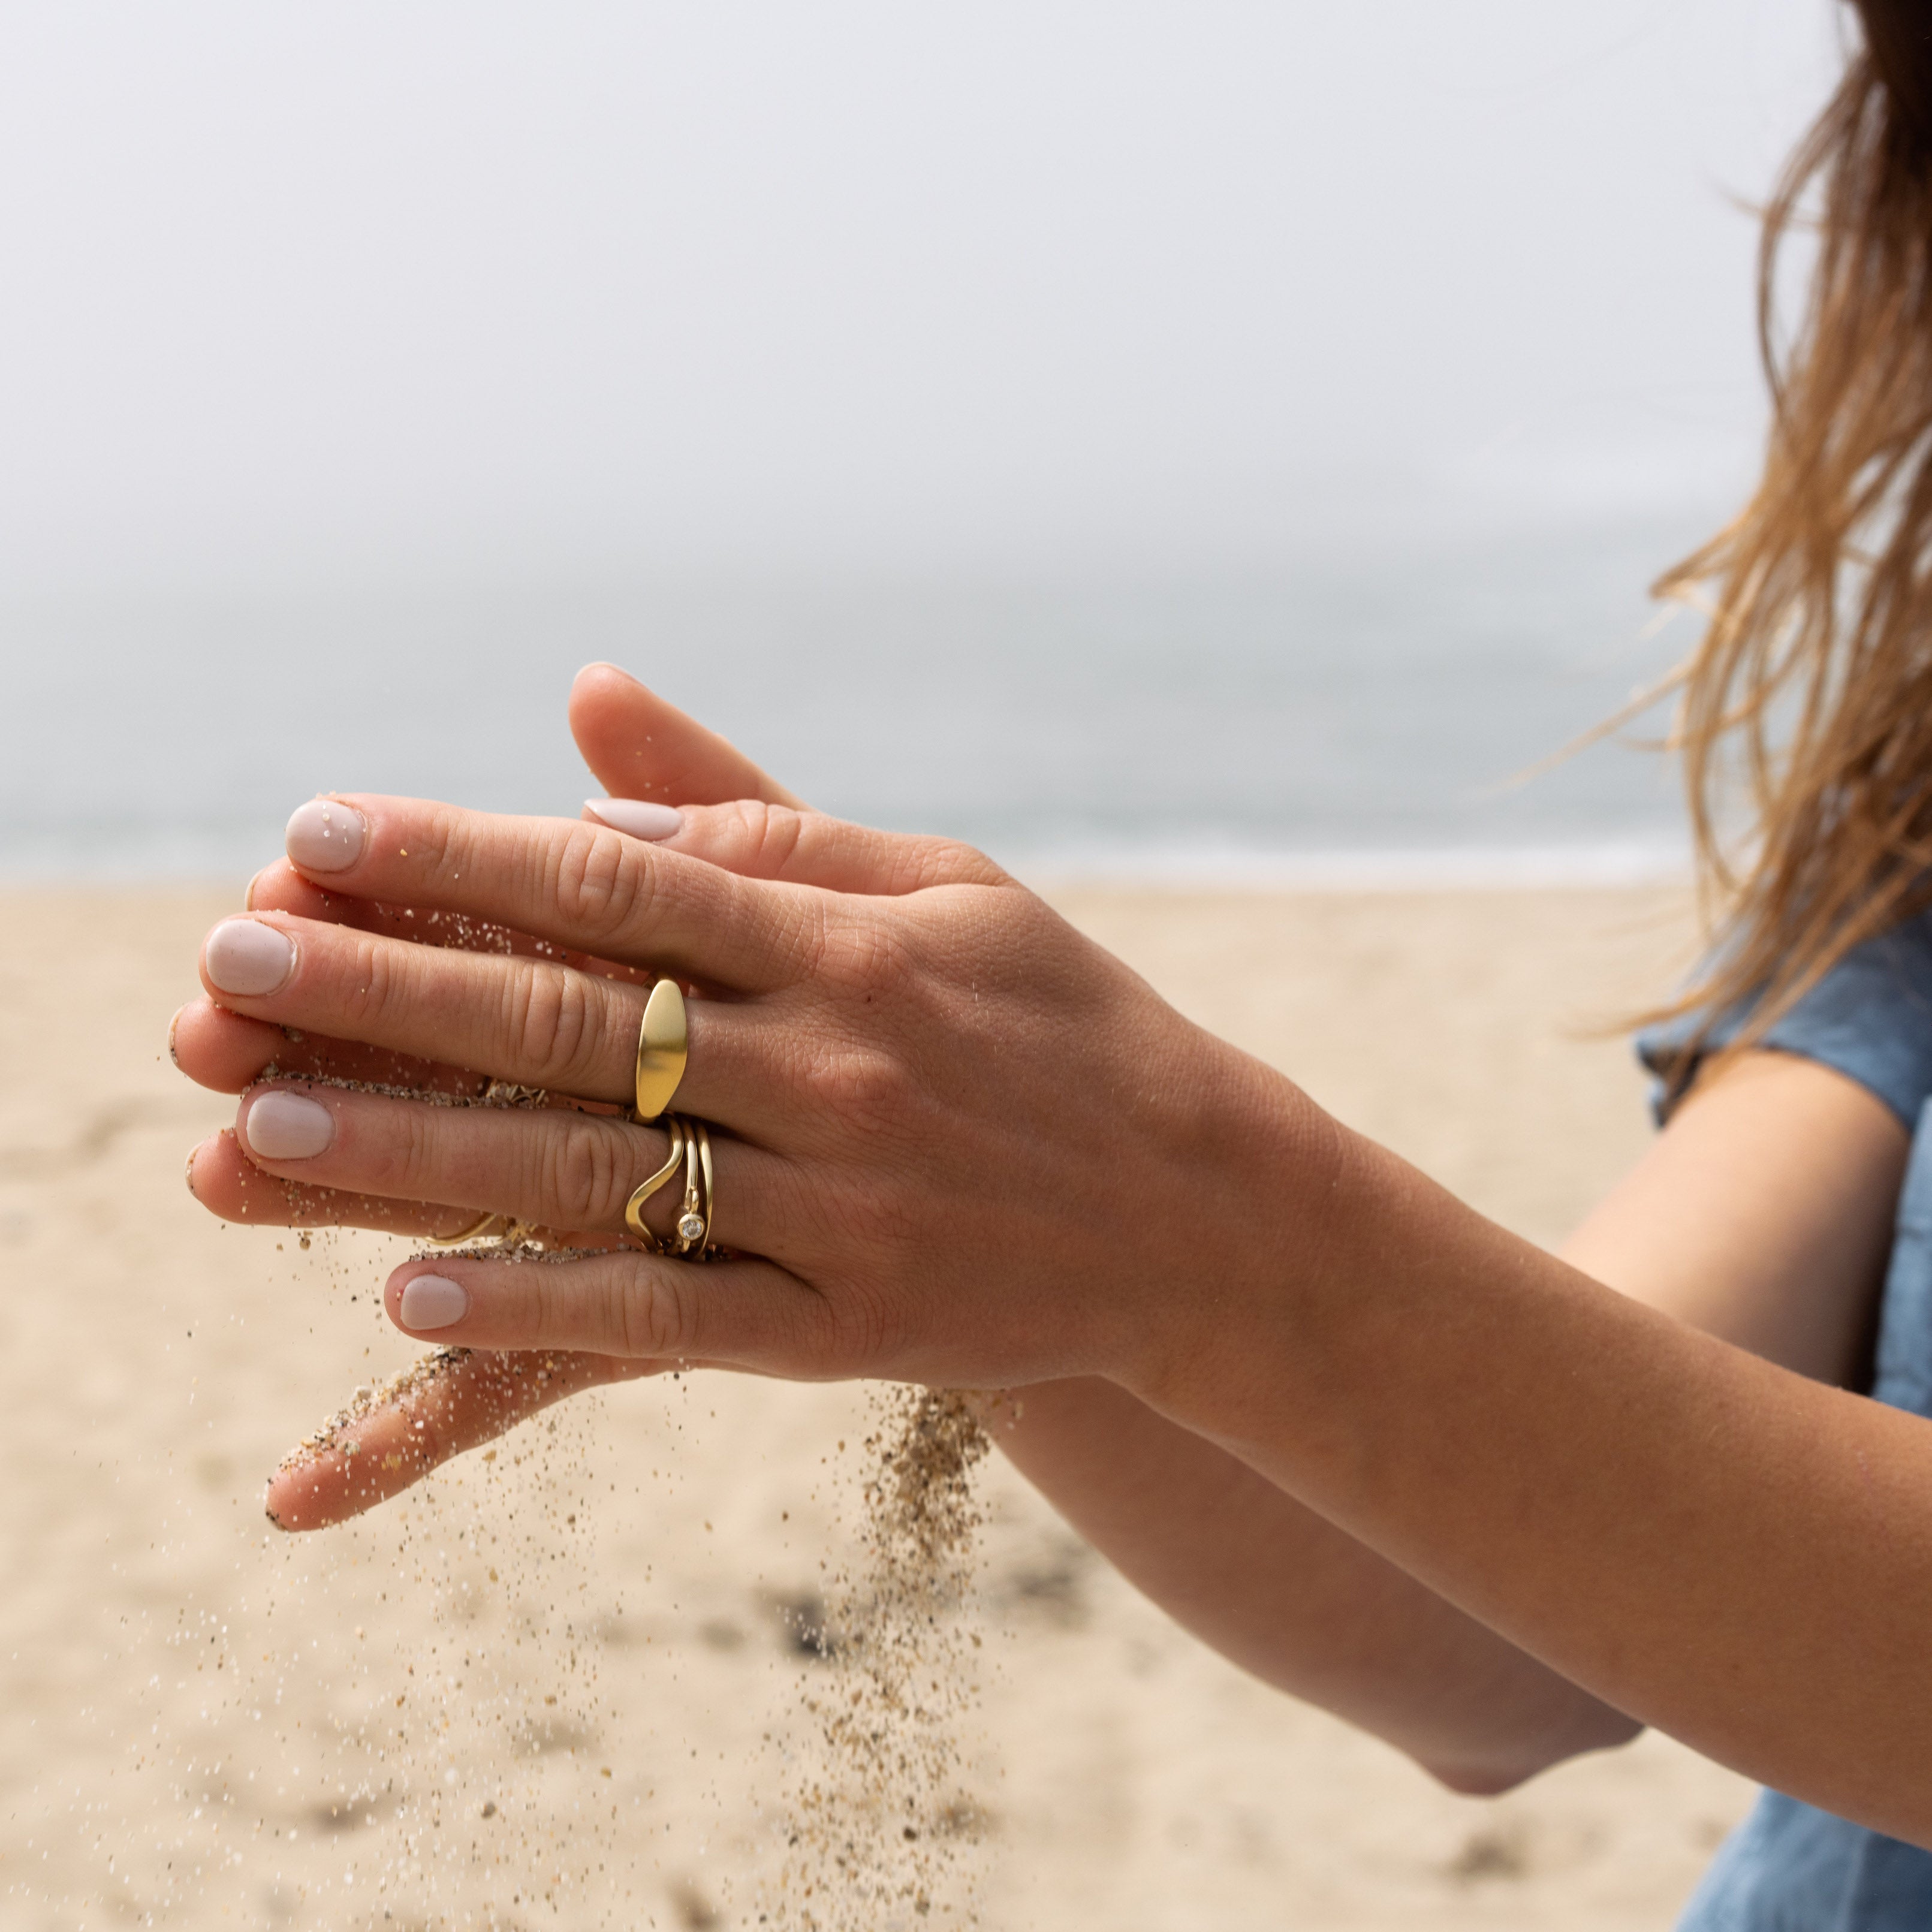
(634, 1208)
(661, 1049)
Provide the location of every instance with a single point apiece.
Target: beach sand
(563, 1688)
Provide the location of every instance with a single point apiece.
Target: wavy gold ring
(634, 1208)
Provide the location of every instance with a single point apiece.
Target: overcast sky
(468, 289)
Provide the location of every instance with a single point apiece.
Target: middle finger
(535, 1021)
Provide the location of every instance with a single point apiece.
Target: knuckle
(926, 862)
(777, 828)
(580, 1179)
(411, 1165)
(858, 1086)
(760, 838)
(867, 1328)
(441, 844)
(373, 986)
(550, 1024)
(865, 954)
(598, 883)
(656, 1313)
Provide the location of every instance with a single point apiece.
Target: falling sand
(874, 1820)
(879, 1818)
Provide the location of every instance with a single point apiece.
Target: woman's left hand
(959, 1143)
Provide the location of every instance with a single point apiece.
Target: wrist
(1274, 1180)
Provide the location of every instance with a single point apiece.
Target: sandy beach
(564, 1688)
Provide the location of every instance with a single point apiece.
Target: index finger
(579, 885)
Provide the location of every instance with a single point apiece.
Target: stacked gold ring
(690, 1149)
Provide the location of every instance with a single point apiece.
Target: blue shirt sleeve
(1870, 1018)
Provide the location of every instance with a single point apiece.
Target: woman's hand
(961, 1145)
(639, 746)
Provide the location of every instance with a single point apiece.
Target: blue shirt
(1790, 1868)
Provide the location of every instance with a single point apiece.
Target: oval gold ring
(663, 1046)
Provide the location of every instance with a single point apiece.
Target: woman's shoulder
(1870, 1018)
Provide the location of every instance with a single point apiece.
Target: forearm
(1720, 1547)
(1288, 1597)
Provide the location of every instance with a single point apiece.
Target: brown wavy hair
(1809, 693)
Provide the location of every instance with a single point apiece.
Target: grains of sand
(878, 1817)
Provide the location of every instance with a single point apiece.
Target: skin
(1496, 1505)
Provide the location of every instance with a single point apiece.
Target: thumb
(640, 745)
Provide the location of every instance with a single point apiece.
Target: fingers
(222, 1050)
(534, 1022)
(279, 887)
(758, 840)
(228, 1052)
(552, 1167)
(641, 747)
(448, 1404)
(225, 1181)
(579, 887)
(740, 1314)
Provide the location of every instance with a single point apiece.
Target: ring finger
(551, 1167)
(225, 1181)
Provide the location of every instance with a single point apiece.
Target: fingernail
(282, 1125)
(324, 836)
(243, 955)
(433, 1301)
(636, 816)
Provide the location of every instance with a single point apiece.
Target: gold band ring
(485, 1227)
(663, 1045)
(693, 1222)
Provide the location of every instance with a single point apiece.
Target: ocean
(1362, 716)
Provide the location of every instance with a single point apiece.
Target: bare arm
(1762, 1214)
(1697, 1537)
(1738, 1554)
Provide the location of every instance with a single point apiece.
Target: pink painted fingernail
(637, 816)
(244, 956)
(433, 1301)
(324, 836)
(282, 1125)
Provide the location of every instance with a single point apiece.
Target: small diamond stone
(690, 1226)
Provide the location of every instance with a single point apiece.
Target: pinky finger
(741, 1313)
(451, 1401)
